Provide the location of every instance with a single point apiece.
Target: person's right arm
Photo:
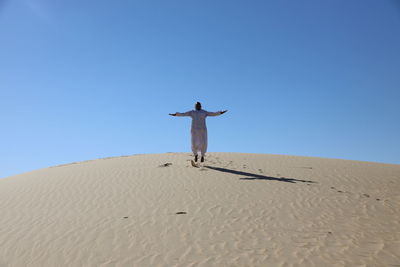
(215, 113)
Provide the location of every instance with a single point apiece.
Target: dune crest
(234, 210)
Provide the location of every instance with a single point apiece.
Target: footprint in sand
(165, 164)
(229, 163)
(339, 191)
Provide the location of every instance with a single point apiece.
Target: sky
(87, 79)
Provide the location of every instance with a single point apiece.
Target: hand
(174, 114)
(222, 112)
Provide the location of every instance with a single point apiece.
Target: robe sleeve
(213, 113)
(185, 114)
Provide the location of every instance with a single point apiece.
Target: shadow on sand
(253, 176)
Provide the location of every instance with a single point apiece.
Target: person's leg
(195, 147)
(203, 147)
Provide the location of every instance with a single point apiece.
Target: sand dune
(236, 210)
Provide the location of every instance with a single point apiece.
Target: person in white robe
(199, 128)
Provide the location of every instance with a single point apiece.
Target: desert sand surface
(236, 210)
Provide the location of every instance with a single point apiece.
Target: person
(199, 128)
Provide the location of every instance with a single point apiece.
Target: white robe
(199, 129)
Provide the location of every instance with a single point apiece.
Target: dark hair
(198, 105)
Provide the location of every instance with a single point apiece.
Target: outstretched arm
(178, 114)
(216, 113)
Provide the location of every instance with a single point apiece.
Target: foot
(202, 159)
(195, 158)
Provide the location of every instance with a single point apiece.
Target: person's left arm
(179, 114)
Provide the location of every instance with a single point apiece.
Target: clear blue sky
(89, 79)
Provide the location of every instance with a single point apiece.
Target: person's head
(198, 106)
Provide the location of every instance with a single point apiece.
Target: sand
(237, 210)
